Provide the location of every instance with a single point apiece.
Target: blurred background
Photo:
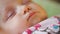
(52, 7)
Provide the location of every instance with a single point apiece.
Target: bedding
(48, 26)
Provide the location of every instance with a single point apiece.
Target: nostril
(26, 10)
(29, 8)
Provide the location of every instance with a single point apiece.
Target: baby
(21, 15)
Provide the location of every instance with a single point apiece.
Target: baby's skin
(21, 18)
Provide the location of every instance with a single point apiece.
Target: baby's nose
(27, 9)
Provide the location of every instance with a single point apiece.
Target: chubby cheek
(11, 28)
(15, 28)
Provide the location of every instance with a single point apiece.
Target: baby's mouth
(31, 14)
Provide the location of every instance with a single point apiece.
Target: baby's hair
(58, 1)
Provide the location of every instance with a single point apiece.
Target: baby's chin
(35, 19)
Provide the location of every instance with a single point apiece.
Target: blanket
(48, 26)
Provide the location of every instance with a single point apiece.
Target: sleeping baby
(20, 15)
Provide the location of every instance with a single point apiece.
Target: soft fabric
(50, 25)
